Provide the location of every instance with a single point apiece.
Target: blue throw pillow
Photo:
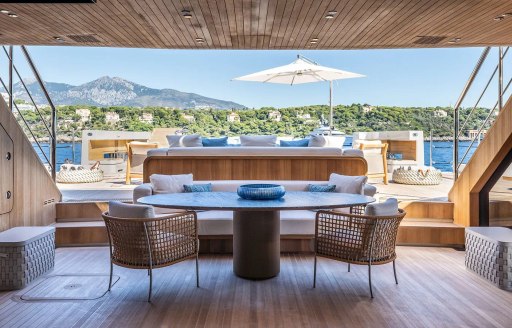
(206, 187)
(294, 143)
(215, 142)
(321, 187)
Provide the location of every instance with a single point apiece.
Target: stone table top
(292, 200)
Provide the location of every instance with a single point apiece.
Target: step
(417, 233)
(80, 211)
(431, 209)
(93, 233)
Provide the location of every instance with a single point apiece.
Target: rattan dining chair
(358, 238)
(144, 241)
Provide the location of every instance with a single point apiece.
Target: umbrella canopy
(302, 70)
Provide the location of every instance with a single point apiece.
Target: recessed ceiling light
(332, 12)
(58, 39)
(454, 40)
(314, 39)
(312, 42)
(329, 16)
(199, 40)
(502, 16)
(4, 11)
(13, 15)
(186, 14)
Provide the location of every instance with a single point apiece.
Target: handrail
(53, 151)
(51, 127)
(465, 90)
(461, 129)
(482, 126)
(29, 95)
(27, 126)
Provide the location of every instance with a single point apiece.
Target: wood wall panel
(255, 167)
(34, 193)
(484, 162)
(268, 24)
(6, 171)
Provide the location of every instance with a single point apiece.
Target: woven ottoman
(489, 254)
(25, 254)
(414, 176)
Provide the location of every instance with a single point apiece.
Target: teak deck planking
(435, 290)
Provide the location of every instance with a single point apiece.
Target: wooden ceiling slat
(294, 20)
(399, 20)
(262, 21)
(231, 17)
(327, 26)
(260, 24)
(315, 22)
(199, 21)
(413, 29)
(350, 23)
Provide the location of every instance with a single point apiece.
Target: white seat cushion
(211, 223)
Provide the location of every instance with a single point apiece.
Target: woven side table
(489, 254)
(25, 254)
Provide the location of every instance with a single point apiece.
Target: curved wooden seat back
(315, 168)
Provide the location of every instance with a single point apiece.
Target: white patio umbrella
(302, 70)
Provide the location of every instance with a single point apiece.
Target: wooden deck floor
(435, 290)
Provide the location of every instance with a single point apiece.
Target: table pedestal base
(256, 244)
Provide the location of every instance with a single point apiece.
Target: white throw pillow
(388, 208)
(258, 141)
(168, 184)
(348, 184)
(193, 140)
(316, 140)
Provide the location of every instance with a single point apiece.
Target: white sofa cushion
(193, 140)
(316, 140)
(258, 141)
(246, 151)
(215, 223)
(348, 184)
(168, 184)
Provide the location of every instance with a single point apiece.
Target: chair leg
(111, 273)
(349, 267)
(370, 278)
(150, 283)
(394, 272)
(314, 273)
(197, 270)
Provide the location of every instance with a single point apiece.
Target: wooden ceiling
(265, 24)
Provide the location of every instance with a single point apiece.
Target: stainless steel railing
(458, 130)
(50, 127)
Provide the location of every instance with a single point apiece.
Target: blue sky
(424, 77)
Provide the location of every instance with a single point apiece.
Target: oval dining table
(256, 223)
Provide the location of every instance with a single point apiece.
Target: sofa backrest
(232, 185)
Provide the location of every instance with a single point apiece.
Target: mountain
(115, 91)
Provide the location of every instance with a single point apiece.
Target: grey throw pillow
(129, 211)
(193, 140)
(348, 184)
(168, 184)
(258, 141)
(388, 208)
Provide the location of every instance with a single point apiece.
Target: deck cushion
(221, 223)
(388, 208)
(168, 184)
(193, 140)
(122, 210)
(348, 184)
(258, 141)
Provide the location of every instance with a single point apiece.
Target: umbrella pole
(331, 116)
